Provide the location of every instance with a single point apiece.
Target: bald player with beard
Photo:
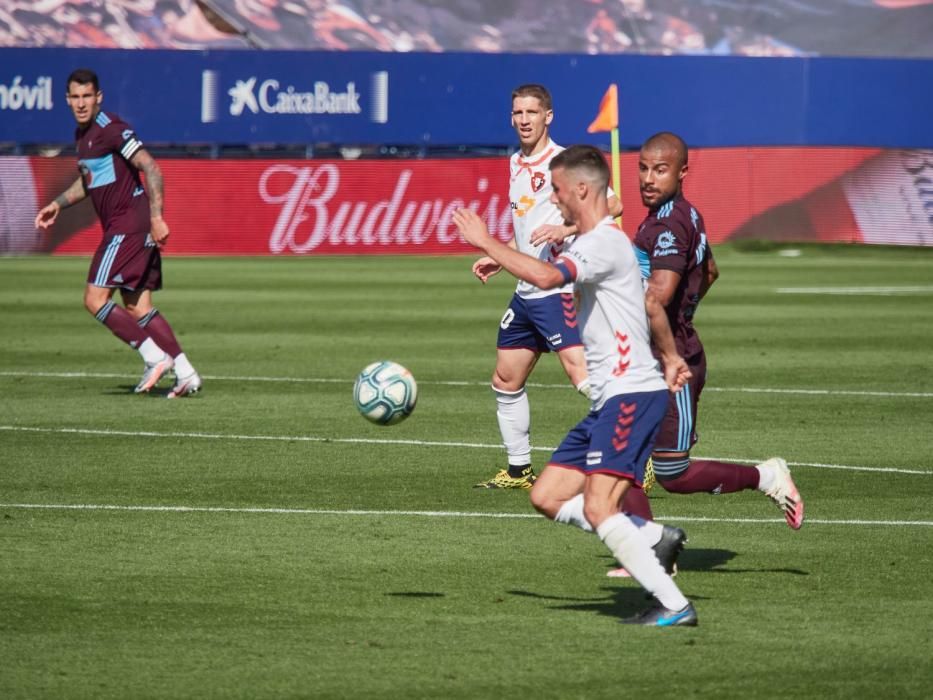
(678, 269)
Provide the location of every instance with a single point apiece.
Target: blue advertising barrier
(282, 97)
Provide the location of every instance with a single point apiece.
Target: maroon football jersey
(104, 151)
(673, 237)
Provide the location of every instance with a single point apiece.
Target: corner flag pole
(616, 169)
(608, 120)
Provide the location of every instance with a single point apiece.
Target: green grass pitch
(263, 540)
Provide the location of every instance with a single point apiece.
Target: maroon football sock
(121, 324)
(707, 476)
(155, 324)
(636, 503)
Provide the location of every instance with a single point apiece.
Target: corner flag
(608, 120)
(608, 117)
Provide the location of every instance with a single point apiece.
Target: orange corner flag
(608, 117)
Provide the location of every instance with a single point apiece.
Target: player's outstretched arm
(154, 188)
(525, 267)
(676, 372)
(74, 194)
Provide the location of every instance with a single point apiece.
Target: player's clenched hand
(47, 215)
(549, 233)
(676, 372)
(159, 231)
(471, 227)
(485, 267)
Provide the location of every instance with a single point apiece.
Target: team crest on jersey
(538, 180)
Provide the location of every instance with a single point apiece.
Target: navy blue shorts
(543, 325)
(617, 439)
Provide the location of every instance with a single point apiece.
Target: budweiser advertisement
(379, 207)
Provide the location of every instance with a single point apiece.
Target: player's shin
(155, 325)
(631, 550)
(122, 325)
(514, 415)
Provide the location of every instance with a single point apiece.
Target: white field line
(564, 385)
(372, 441)
(422, 514)
(865, 291)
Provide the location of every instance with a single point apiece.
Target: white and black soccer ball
(385, 393)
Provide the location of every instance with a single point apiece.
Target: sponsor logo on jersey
(524, 205)
(538, 180)
(665, 245)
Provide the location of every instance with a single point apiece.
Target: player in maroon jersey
(679, 269)
(110, 158)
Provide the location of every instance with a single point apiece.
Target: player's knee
(544, 502)
(506, 385)
(94, 301)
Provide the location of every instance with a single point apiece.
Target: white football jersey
(530, 201)
(613, 320)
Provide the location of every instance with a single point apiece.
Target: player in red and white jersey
(605, 454)
(679, 269)
(536, 320)
(110, 158)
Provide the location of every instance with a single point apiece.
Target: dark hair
(667, 139)
(586, 160)
(534, 90)
(83, 76)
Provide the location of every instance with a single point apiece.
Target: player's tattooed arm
(74, 194)
(154, 187)
(146, 163)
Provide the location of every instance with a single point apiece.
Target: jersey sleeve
(584, 261)
(666, 244)
(121, 138)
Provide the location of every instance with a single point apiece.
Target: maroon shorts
(678, 428)
(126, 261)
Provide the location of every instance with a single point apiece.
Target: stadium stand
(899, 28)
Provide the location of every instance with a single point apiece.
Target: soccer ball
(385, 393)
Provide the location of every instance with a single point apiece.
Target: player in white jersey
(605, 454)
(537, 320)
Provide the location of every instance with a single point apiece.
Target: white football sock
(650, 530)
(183, 368)
(151, 352)
(571, 513)
(514, 414)
(766, 476)
(630, 549)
